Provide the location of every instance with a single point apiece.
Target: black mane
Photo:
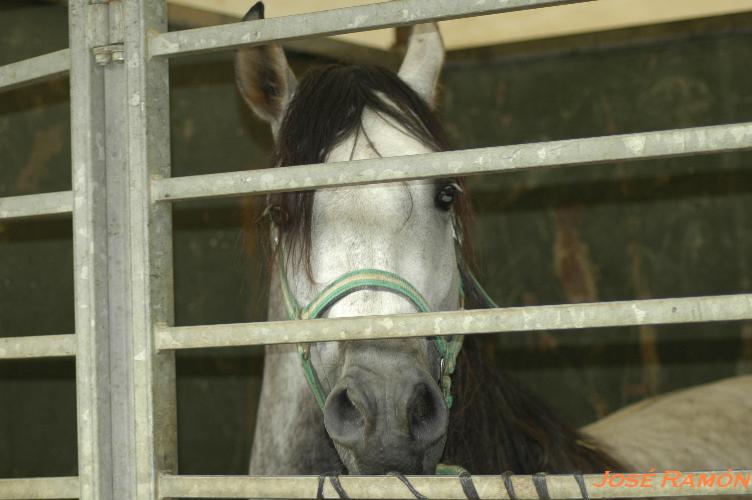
(495, 425)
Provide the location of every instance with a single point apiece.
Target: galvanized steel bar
(560, 486)
(33, 205)
(333, 22)
(149, 250)
(627, 147)
(119, 241)
(39, 488)
(31, 70)
(88, 28)
(512, 319)
(41, 346)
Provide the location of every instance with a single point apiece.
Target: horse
(403, 405)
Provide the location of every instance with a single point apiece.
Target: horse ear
(423, 60)
(263, 76)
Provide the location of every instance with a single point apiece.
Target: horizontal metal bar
(560, 486)
(39, 346)
(512, 319)
(332, 22)
(31, 70)
(38, 488)
(34, 205)
(640, 146)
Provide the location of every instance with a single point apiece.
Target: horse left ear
(423, 60)
(263, 76)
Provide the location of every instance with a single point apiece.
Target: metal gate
(120, 202)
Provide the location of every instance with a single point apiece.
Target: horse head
(366, 250)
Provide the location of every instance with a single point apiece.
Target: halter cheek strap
(351, 282)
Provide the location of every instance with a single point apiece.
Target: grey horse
(373, 407)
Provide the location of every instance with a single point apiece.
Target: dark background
(651, 229)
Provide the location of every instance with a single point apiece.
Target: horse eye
(445, 196)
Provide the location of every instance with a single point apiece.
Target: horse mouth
(381, 461)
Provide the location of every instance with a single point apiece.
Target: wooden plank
(509, 27)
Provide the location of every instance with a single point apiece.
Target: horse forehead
(380, 137)
(393, 207)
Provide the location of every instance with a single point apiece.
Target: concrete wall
(651, 229)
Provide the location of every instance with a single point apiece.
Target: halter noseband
(351, 282)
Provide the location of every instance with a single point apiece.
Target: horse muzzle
(393, 419)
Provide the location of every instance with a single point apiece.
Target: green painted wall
(37, 399)
(651, 229)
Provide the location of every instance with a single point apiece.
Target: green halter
(364, 279)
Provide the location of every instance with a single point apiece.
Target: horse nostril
(427, 415)
(348, 412)
(344, 415)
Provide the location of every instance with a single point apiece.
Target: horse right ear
(263, 76)
(423, 60)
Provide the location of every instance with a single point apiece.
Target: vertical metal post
(123, 250)
(150, 248)
(119, 260)
(89, 28)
